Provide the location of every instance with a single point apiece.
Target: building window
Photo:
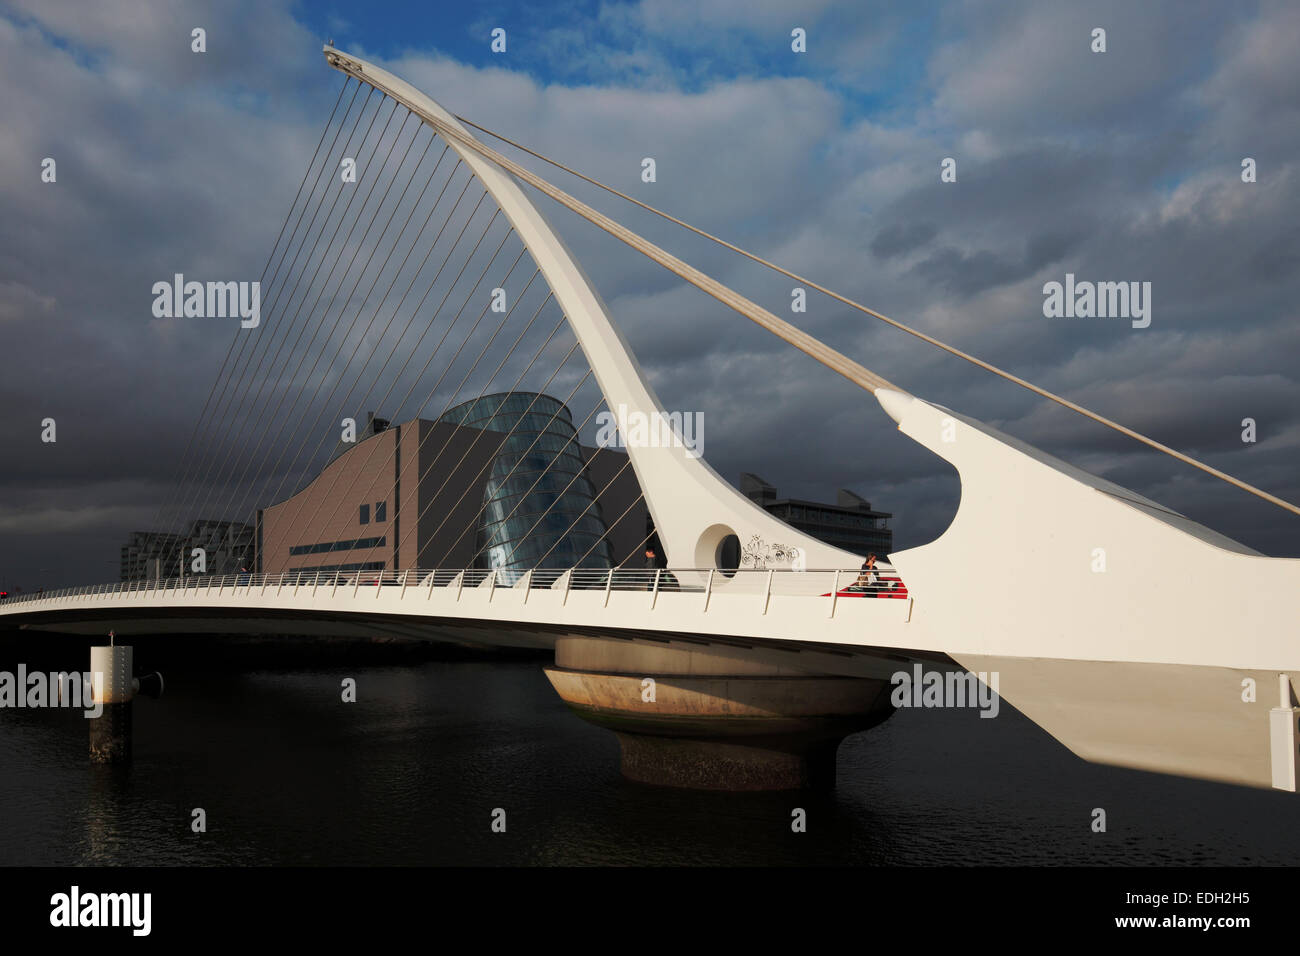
(381, 510)
(325, 568)
(365, 514)
(352, 545)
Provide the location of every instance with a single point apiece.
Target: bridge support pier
(113, 686)
(110, 734)
(711, 719)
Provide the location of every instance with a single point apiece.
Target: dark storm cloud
(902, 237)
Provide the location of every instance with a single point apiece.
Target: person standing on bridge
(867, 576)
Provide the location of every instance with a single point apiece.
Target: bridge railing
(831, 583)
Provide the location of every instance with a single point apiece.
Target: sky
(1122, 165)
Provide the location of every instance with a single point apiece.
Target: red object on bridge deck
(886, 587)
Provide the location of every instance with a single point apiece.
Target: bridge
(1098, 621)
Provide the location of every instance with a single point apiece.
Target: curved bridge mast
(693, 507)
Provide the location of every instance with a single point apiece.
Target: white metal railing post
(654, 591)
(609, 583)
(767, 595)
(404, 576)
(492, 584)
(432, 576)
(835, 593)
(708, 588)
(528, 583)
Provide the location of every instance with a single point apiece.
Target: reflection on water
(410, 774)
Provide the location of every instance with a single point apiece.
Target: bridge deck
(798, 609)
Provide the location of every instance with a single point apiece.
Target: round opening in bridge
(728, 556)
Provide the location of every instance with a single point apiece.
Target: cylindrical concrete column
(113, 686)
(115, 664)
(714, 719)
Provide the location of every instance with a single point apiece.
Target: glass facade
(538, 509)
(837, 526)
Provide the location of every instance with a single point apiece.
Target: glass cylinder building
(539, 508)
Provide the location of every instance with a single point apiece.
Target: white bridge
(1133, 635)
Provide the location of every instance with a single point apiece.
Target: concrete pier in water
(113, 685)
(693, 718)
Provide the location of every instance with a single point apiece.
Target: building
(145, 551)
(373, 426)
(850, 523)
(498, 482)
(227, 548)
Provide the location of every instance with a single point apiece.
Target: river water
(412, 772)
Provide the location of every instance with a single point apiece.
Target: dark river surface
(411, 773)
